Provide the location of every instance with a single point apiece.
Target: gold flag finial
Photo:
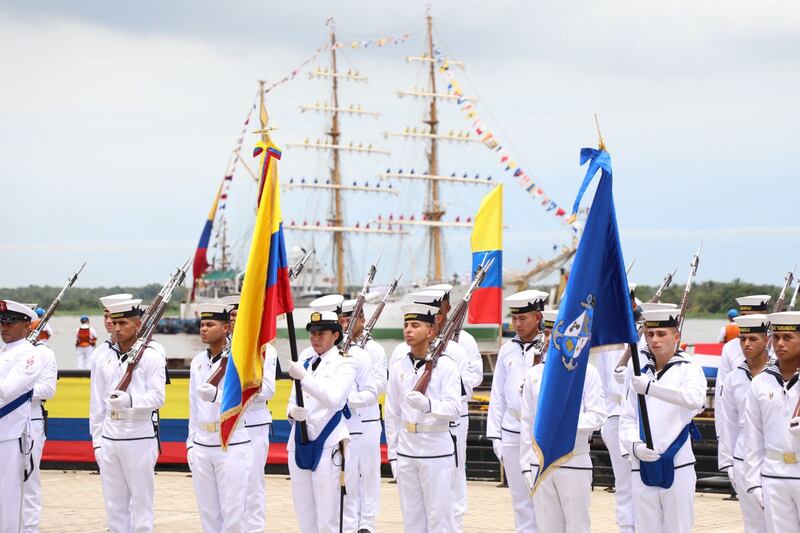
(601, 143)
(263, 117)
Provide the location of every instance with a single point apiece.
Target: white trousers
(126, 473)
(665, 510)
(83, 357)
(562, 501)
(782, 504)
(11, 476)
(352, 500)
(460, 475)
(256, 498)
(369, 465)
(316, 495)
(521, 501)
(425, 498)
(32, 491)
(753, 516)
(218, 478)
(622, 475)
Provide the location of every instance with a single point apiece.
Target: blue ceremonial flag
(595, 311)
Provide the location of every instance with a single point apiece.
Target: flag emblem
(572, 339)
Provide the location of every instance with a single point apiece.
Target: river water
(185, 346)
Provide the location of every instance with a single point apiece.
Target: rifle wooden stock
(449, 330)
(778, 307)
(219, 373)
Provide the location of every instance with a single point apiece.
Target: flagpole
(298, 388)
(644, 418)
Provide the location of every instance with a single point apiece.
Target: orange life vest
(731, 331)
(85, 337)
(43, 335)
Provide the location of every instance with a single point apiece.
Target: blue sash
(16, 402)
(661, 473)
(307, 455)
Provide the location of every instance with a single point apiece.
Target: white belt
(211, 427)
(130, 415)
(256, 406)
(516, 414)
(412, 427)
(789, 458)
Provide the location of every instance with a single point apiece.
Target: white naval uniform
(258, 421)
(730, 358)
(421, 448)
(731, 445)
(219, 476)
(563, 497)
(503, 423)
(43, 390)
(126, 446)
(771, 452)
(615, 395)
(316, 494)
(20, 366)
(369, 462)
(658, 509)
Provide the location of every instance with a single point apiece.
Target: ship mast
(435, 209)
(336, 177)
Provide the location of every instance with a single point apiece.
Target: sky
(118, 120)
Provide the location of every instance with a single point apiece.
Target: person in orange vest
(47, 332)
(730, 330)
(85, 341)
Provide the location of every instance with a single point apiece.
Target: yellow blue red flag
(486, 305)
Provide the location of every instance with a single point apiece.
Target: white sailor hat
(432, 297)
(786, 321)
(420, 312)
(757, 303)
(549, 316)
(106, 301)
(444, 287)
(331, 302)
(126, 309)
(752, 323)
(11, 311)
(231, 301)
(348, 306)
(213, 311)
(323, 321)
(652, 306)
(527, 301)
(661, 318)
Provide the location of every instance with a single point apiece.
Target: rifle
(778, 307)
(793, 301)
(34, 334)
(685, 298)
(153, 314)
(623, 361)
(348, 339)
(450, 328)
(219, 373)
(367, 332)
(297, 268)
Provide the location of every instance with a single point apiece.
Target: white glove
(297, 370)
(207, 392)
(640, 383)
(119, 399)
(497, 446)
(619, 374)
(758, 494)
(418, 401)
(794, 426)
(392, 465)
(732, 478)
(528, 480)
(299, 414)
(645, 454)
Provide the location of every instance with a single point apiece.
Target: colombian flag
(486, 305)
(200, 260)
(265, 295)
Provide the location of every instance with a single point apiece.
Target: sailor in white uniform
(318, 467)
(772, 431)
(563, 497)
(421, 448)
(732, 356)
(514, 359)
(217, 474)
(43, 390)
(674, 387)
(753, 337)
(258, 421)
(368, 411)
(21, 365)
(124, 422)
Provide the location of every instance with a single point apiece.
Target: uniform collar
(12, 345)
(743, 366)
(213, 358)
(678, 358)
(416, 363)
(775, 371)
(527, 345)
